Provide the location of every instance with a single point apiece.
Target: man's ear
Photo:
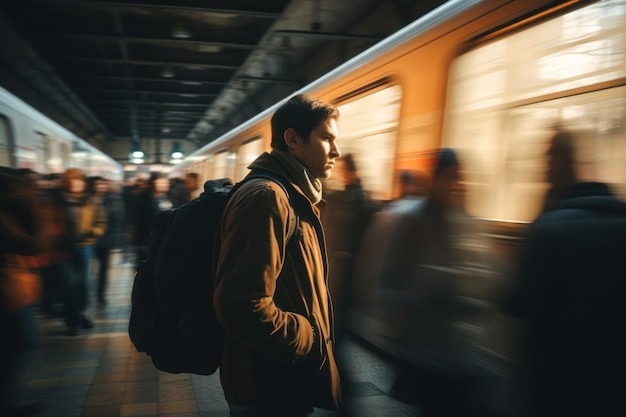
(291, 138)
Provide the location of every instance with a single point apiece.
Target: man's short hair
(301, 113)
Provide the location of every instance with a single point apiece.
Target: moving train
(29, 139)
(492, 79)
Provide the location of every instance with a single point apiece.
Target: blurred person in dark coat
(21, 242)
(111, 205)
(132, 189)
(570, 293)
(345, 217)
(183, 190)
(148, 203)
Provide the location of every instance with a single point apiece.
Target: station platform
(100, 374)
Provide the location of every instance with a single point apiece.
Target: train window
(52, 154)
(81, 157)
(247, 153)
(66, 155)
(5, 142)
(221, 167)
(368, 129)
(204, 168)
(506, 97)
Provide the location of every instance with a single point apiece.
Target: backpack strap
(294, 220)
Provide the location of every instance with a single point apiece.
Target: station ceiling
(189, 70)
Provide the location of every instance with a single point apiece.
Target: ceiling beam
(325, 35)
(174, 6)
(153, 104)
(188, 65)
(129, 91)
(154, 41)
(195, 83)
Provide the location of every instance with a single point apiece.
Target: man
(270, 290)
(570, 292)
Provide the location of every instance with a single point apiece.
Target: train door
(507, 96)
(6, 143)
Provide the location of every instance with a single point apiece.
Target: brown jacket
(269, 293)
(88, 226)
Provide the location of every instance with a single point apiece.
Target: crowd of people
(57, 233)
(423, 253)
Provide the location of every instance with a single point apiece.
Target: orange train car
(492, 79)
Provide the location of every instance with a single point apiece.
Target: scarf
(311, 186)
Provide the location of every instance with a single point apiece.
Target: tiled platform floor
(100, 374)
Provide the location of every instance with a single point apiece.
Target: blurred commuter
(345, 217)
(177, 193)
(184, 190)
(434, 284)
(192, 185)
(370, 261)
(270, 291)
(414, 182)
(85, 223)
(131, 190)
(20, 285)
(53, 227)
(570, 292)
(148, 203)
(111, 205)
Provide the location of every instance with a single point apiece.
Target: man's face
(77, 185)
(559, 166)
(320, 152)
(102, 187)
(161, 185)
(447, 189)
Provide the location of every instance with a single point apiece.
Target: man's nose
(335, 152)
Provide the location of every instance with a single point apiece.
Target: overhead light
(136, 154)
(209, 48)
(176, 153)
(180, 31)
(167, 72)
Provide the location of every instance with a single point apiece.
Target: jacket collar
(286, 165)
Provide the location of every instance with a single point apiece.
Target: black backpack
(172, 318)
